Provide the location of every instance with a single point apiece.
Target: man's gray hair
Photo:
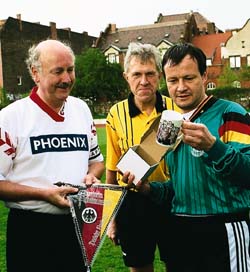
(34, 53)
(144, 52)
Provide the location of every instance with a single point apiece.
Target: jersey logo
(59, 143)
(6, 143)
(197, 153)
(93, 129)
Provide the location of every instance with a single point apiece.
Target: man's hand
(58, 195)
(141, 186)
(90, 179)
(197, 136)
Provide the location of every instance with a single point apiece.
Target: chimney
(93, 44)
(69, 31)
(210, 28)
(53, 31)
(112, 28)
(19, 18)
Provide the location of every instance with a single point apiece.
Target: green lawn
(109, 258)
(3, 216)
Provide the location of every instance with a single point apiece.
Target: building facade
(230, 48)
(163, 33)
(16, 36)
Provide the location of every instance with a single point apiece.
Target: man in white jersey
(46, 138)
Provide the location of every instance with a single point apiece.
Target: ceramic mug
(169, 128)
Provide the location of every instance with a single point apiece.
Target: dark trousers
(208, 244)
(42, 242)
(142, 226)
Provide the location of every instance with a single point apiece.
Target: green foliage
(230, 93)
(245, 73)
(163, 89)
(3, 219)
(227, 77)
(114, 84)
(25, 94)
(96, 79)
(101, 134)
(4, 101)
(241, 96)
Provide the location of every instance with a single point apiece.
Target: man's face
(143, 79)
(185, 83)
(57, 75)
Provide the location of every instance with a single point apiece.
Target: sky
(93, 16)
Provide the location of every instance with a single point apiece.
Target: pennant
(92, 209)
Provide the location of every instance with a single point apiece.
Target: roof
(211, 44)
(201, 21)
(172, 18)
(153, 34)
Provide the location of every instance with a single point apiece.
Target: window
(211, 86)
(19, 80)
(234, 62)
(248, 60)
(209, 62)
(236, 84)
(112, 58)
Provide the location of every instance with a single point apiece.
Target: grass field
(109, 258)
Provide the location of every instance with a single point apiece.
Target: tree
(96, 79)
(4, 101)
(163, 89)
(228, 77)
(245, 73)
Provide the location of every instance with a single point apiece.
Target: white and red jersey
(39, 147)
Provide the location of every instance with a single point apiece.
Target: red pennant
(92, 210)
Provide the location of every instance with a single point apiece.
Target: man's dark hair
(176, 53)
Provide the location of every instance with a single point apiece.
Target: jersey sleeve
(7, 148)
(231, 153)
(95, 151)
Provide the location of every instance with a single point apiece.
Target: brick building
(211, 45)
(221, 48)
(16, 36)
(166, 31)
(230, 48)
